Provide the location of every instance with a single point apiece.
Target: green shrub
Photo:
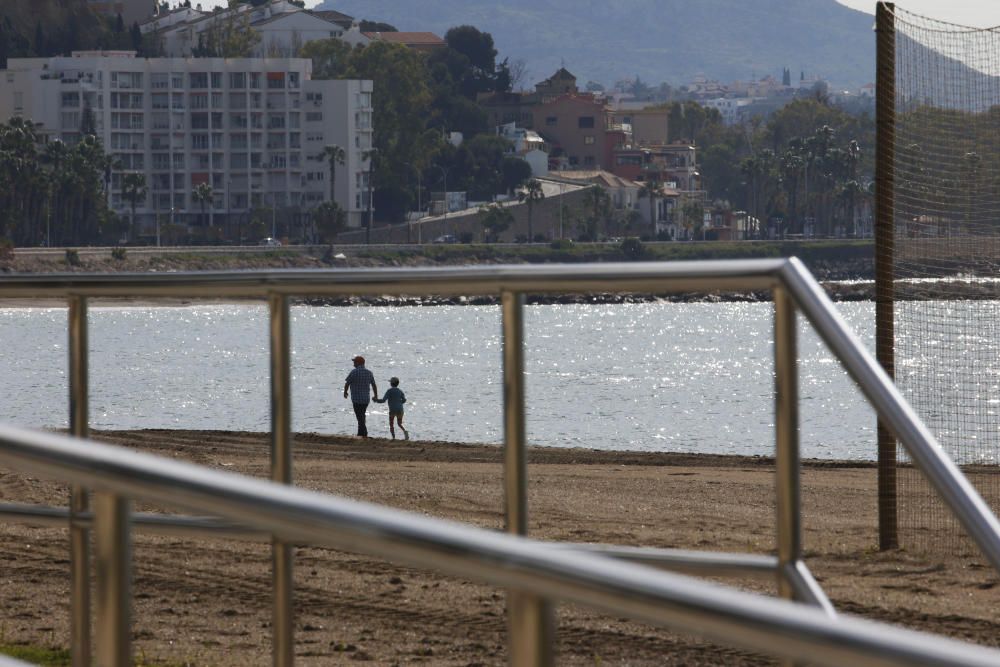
(72, 257)
(6, 249)
(632, 248)
(561, 244)
(118, 253)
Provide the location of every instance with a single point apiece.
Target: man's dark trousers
(359, 411)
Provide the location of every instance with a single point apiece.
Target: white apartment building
(283, 28)
(251, 128)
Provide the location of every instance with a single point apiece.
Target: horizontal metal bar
(650, 277)
(956, 491)
(705, 563)
(702, 563)
(720, 614)
(146, 522)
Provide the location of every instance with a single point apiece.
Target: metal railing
(529, 611)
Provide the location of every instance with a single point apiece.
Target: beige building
(576, 127)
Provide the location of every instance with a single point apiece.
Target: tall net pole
(885, 113)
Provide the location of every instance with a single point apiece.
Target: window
(159, 100)
(585, 122)
(199, 121)
(275, 80)
(238, 120)
(238, 80)
(314, 117)
(199, 101)
(551, 121)
(199, 142)
(217, 100)
(216, 80)
(162, 161)
(159, 80)
(198, 79)
(71, 100)
(177, 80)
(255, 79)
(293, 79)
(589, 139)
(364, 100)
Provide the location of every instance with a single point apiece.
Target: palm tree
(202, 195)
(531, 195)
(653, 189)
(133, 189)
(335, 155)
(598, 203)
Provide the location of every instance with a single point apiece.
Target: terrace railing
(536, 574)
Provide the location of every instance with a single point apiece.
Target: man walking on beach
(358, 380)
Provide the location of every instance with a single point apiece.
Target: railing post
(885, 179)
(530, 617)
(786, 413)
(282, 615)
(114, 573)
(79, 536)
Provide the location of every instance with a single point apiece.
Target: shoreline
(838, 291)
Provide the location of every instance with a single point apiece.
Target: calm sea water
(648, 377)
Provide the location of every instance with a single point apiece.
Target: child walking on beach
(395, 398)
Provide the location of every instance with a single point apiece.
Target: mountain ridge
(658, 40)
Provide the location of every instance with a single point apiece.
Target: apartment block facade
(251, 128)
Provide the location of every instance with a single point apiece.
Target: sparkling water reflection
(650, 377)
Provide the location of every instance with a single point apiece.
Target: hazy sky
(979, 13)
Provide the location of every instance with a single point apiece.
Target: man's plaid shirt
(361, 381)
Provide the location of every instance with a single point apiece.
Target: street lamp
(409, 224)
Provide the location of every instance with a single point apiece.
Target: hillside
(660, 40)
(65, 24)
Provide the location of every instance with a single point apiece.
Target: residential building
(527, 145)
(578, 126)
(283, 28)
(731, 109)
(339, 113)
(625, 196)
(647, 125)
(560, 83)
(244, 126)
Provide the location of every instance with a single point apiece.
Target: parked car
(446, 238)
(270, 242)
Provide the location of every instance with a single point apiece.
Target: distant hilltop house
(283, 28)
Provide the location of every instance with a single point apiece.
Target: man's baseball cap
(358, 359)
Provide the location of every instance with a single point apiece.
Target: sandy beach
(207, 602)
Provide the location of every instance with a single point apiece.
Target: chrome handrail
(790, 282)
(296, 515)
